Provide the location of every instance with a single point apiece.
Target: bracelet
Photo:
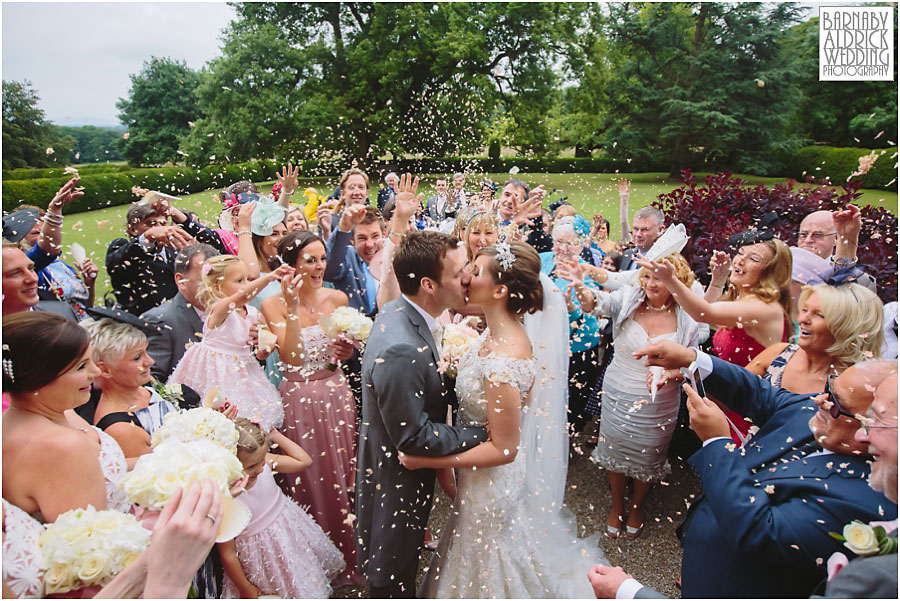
(53, 218)
(242, 232)
(397, 234)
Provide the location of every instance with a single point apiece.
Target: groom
(404, 407)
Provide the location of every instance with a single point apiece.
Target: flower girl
(282, 551)
(223, 357)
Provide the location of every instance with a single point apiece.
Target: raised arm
(282, 316)
(246, 252)
(50, 240)
(727, 314)
(847, 223)
(221, 308)
(339, 242)
(405, 205)
(292, 458)
(719, 266)
(623, 185)
(288, 179)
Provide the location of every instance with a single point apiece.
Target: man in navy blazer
(352, 245)
(761, 527)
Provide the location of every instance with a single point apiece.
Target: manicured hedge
(829, 162)
(110, 189)
(28, 173)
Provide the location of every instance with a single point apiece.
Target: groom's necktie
(437, 332)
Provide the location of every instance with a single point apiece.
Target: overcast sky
(78, 55)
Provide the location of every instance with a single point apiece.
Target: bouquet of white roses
(345, 322)
(174, 465)
(456, 338)
(86, 547)
(194, 424)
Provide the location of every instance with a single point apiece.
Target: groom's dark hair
(421, 255)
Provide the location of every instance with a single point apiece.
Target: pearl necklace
(652, 308)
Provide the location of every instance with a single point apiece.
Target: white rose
(860, 539)
(94, 569)
(166, 484)
(57, 579)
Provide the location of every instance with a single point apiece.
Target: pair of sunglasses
(835, 410)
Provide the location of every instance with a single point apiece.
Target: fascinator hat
(763, 231)
(266, 215)
(807, 266)
(671, 241)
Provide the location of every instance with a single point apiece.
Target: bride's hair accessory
(8, 369)
(504, 257)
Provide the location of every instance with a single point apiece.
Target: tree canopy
(28, 138)
(360, 79)
(157, 112)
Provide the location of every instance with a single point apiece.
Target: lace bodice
(496, 368)
(315, 344)
(113, 466)
(21, 554)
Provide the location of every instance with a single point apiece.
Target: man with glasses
(834, 237)
(761, 527)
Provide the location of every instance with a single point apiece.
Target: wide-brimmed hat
(123, 317)
(17, 224)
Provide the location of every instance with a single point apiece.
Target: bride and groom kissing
(496, 544)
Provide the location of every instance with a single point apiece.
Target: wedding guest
(178, 322)
(126, 406)
(319, 407)
(53, 461)
(140, 267)
(600, 235)
(584, 333)
(438, 206)
(646, 225)
(840, 325)
(889, 350)
(457, 193)
(353, 189)
(834, 236)
(348, 266)
(296, 219)
(767, 509)
(388, 191)
(520, 207)
(20, 291)
(634, 433)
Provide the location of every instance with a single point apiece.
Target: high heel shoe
(633, 533)
(612, 531)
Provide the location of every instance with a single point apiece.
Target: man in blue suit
(761, 527)
(352, 245)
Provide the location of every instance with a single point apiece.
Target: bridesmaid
(319, 408)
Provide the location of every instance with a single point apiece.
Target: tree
(92, 144)
(839, 113)
(157, 112)
(28, 138)
(694, 83)
(356, 79)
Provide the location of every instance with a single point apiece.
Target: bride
(498, 544)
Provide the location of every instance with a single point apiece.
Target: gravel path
(654, 558)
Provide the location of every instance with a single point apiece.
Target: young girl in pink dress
(282, 551)
(223, 357)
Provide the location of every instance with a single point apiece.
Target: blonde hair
(774, 285)
(111, 339)
(213, 271)
(251, 437)
(478, 220)
(682, 269)
(854, 315)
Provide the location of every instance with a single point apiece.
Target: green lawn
(589, 192)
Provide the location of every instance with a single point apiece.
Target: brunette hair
(522, 279)
(240, 187)
(38, 348)
(420, 255)
(372, 215)
(291, 244)
(251, 437)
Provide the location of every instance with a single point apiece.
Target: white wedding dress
(497, 544)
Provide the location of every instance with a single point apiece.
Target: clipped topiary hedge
(110, 189)
(28, 173)
(836, 164)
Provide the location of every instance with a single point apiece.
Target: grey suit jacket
(180, 326)
(645, 592)
(404, 407)
(58, 307)
(431, 209)
(866, 578)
